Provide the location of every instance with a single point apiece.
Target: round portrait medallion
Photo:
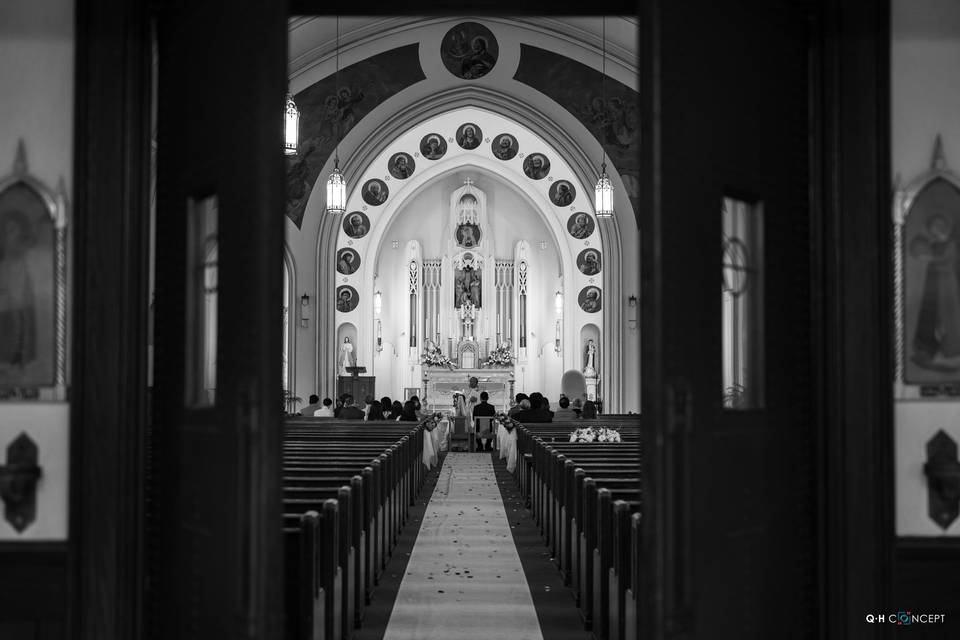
(580, 225)
(504, 147)
(347, 299)
(589, 299)
(536, 166)
(562, 193)
(589, 262)
(433, 146)
(375, 192)
(356, 224)
(469, 135)
(401, 166)
(348, 261)
(469, 50)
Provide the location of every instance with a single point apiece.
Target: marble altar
(440, 384)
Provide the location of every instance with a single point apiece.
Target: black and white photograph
(479, 323)
(356, 224)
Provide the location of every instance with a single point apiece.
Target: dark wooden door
(729, 546)
(216, 571)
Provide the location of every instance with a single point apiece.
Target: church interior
(597, 324)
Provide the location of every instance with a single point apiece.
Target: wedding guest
(311, 408)
(577, 406)
(386, 403)
(409, 412)
(564, 412)
(367, 401)
(589, 410)
(396, 410)
(339, 407)
(349, 410)
(516, 407)
(326, 411)
(376, 411)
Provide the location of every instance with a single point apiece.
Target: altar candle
(499, 326)
(438, 324)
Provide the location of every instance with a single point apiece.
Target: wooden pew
(348, 486)
(583, 497)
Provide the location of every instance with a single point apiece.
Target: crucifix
(468, 182)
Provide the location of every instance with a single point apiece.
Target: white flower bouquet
(501, 356)
(435, 358)
(595, 434)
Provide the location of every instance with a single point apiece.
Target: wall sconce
(291, 127)
(556, 339)
(379, 336)
(632, 312)
(558, 303)
(377, 302)
(304, 311)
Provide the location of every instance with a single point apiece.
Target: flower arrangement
(433, 357)
(501, 356)
(595, 434)
(433, 421)
(507, 422)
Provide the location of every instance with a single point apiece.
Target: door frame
(850, 191)
(851, 315)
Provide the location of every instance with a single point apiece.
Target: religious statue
(590, 368)
(467, 287)
(347, 358)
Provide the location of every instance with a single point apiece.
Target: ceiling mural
(469, 50)
(577, 87)
(328, 112)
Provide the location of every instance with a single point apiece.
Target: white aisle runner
(464, 579)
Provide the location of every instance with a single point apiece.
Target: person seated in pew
(366, 405)
(409, 412)
(481, 410)
(396, 410)
(577, 406)
(536, 412)
(340, 402)
(326, 411)
(564, 412)
(517, 405)
(311, 408)
(349, 410)
(589, 410)
(417, 407)
(540, 403)
(375, 412)
(386, 403)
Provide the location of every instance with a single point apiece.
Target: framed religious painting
(32, 287)
(927, 272)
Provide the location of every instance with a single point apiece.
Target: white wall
(36, 105)
(925, 85)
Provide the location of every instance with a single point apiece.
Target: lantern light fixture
(379, 336)
(377, 302)
(336, 185)
(558, 302)
(556, 339)
(603, 192)
(291, 127)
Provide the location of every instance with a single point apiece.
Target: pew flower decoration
(595, 434)
(501, 356)
(507, 422)
(433, 357)
(433, 421)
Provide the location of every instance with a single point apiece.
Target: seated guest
(536, 412)
(564, 412)
(326, 411)
(577, 406)
(311, 408)
(349, 410)
(409, 412)
(367, 401)
(386, 403)
(545, 405)
(396, 410)
(589, 410)
(482, 410)
(516, 407)
(337, 409)
(375, 412)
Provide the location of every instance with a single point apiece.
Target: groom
(485, 409)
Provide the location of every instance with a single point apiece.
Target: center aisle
(464, 578)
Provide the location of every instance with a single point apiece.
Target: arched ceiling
(313, 38)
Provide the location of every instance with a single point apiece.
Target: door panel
(217, 571)
(726, 99)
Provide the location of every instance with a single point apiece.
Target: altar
(440, 384)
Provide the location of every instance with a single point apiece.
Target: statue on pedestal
(590, 370)
(346, 358)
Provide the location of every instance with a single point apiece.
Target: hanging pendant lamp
(603, 192)
(336, 185)
(291, 127)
